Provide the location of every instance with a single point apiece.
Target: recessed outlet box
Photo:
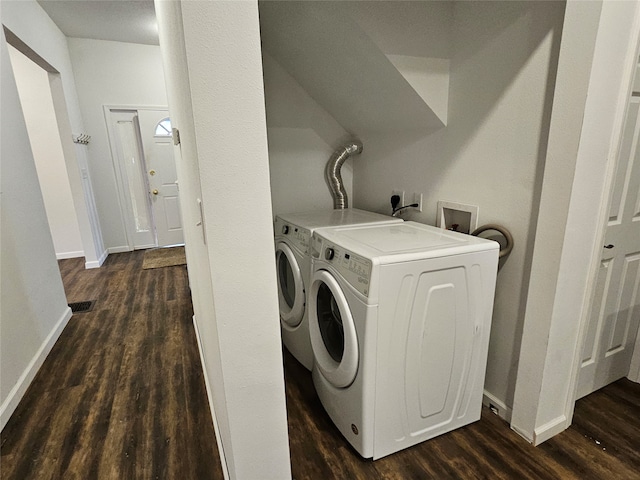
(457, 216)
(400, 193)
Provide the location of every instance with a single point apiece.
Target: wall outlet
(417, 198)
(400, 193)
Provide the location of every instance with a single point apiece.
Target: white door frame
(122, 195)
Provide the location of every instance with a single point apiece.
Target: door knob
(155, 191)
(610, 246)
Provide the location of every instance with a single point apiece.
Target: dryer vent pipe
(339, 194)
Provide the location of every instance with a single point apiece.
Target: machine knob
(329, 253)
(285, 229)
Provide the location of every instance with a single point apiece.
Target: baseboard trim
(522, 433)
(29, 373)
(504, 411)
(65, 255)
(223, 460)
(550, 429)
(121, 249)
(97, 263)
(146, 247)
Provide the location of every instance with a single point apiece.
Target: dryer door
(332, 331)
(290, 286)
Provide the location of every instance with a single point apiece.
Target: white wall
(40, 117)
(33, 308)
(212, 54)
(302, 137)
(44, 43)
(490, 154)
(119, 74)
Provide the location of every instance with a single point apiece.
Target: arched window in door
(163, 128)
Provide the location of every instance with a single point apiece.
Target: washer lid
(408, 238)
(404, 238)
(331, 218)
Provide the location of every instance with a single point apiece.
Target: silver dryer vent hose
(339, 194)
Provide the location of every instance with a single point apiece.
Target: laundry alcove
(451, 100)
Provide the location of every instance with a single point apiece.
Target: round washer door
(290, 286)
(332, 331)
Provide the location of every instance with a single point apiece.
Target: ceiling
(132, 21)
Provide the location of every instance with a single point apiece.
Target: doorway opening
(143, 157)
(36, 98)
(611, 346)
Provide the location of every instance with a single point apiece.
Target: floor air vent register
(82, 307)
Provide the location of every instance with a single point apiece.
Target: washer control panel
(354, 268)
(297, 236)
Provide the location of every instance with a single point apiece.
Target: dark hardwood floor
(603, 443)
(122, 397)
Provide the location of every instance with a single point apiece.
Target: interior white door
(157, 143)
(615, 311)
(131, 178)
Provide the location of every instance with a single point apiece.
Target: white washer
(292, 236)
(399, 319)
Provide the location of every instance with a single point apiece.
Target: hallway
(122, 395)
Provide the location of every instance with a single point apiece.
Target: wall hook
(81, 138)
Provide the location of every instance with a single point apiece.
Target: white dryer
(399, 319)
(292, 236)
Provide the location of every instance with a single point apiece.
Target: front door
(157, 144)
(131, 178)
(615, 311)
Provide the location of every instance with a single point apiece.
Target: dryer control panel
(296, 236)
(355, 269)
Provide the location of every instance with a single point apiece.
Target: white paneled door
(157, 144)
(615, 311)
(131, 178)
(144, 163)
